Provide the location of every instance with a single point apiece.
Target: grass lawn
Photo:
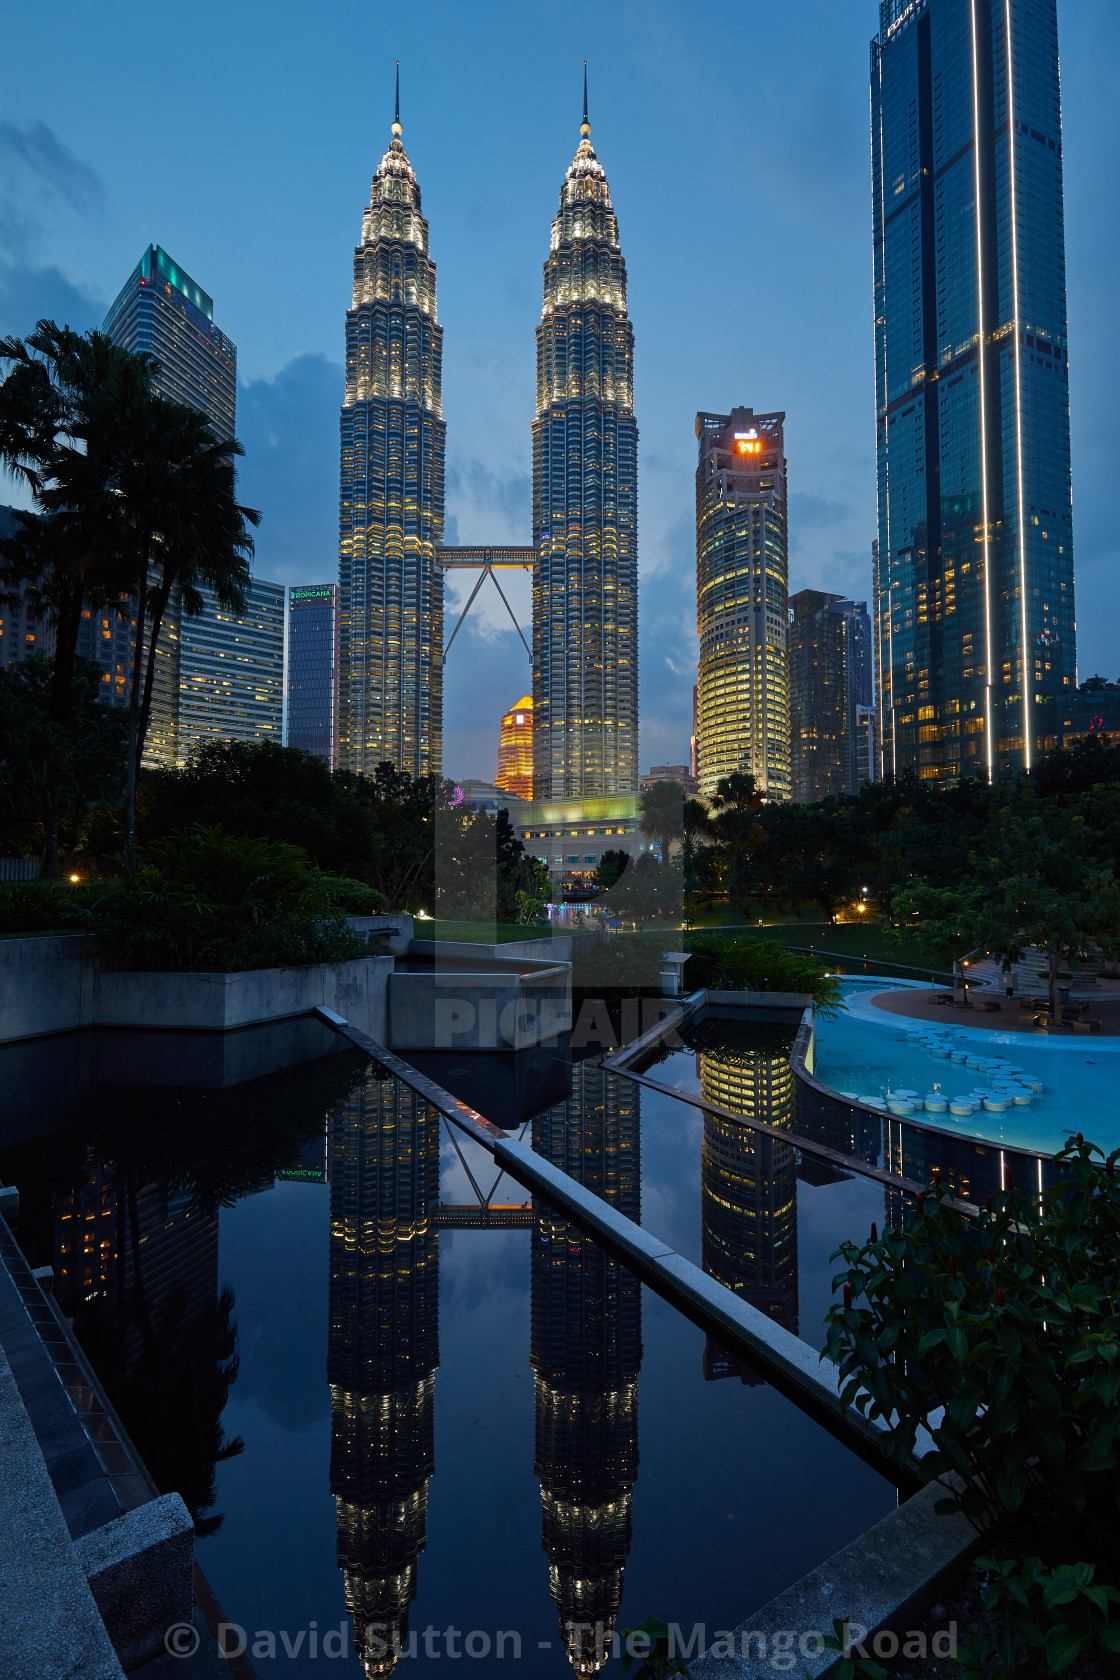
(872, 940)
(478, 933)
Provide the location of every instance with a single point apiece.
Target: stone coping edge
(50, 1625)
(885, 1580)
(790, 1364)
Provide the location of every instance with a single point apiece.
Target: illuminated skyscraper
(383, 1349)
(391, 489)
(313, 669)
(830, 665)
(742, 582)
(585, 502)
(975, 562)
(162, 311)
(586, 1355)
(515, 750)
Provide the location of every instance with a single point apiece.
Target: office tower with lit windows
(585, 502)
(382, 1353)
(748, 1192)
(586, 1354)
(830, 682)
(515, 750)
(975, 611)
(313, 669)
(162, 311)
(231, 671)
(742, 583)
(391, 488)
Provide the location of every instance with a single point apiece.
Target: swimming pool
(1008, 1088)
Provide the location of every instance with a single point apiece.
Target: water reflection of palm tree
(383, 1351)
(586, 1355)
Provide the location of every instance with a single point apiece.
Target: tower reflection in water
(748, 1185)
(586, 1354)
(383, 1350)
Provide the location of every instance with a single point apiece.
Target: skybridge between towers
(488, 560)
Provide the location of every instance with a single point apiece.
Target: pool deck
(918, 1005)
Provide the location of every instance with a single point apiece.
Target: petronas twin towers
(585, 495)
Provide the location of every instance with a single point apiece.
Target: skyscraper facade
(313, 669)
(975, 561)
(231, 672)
(830, 681)
(585, 502)
(391, 488)
(586, 1354)
(742, 586)
(515, 750)
(162, 311)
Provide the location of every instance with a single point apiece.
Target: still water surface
(446, 1424)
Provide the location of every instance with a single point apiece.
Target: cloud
(815, 510)
(487, 507)
(41, 179)
(289, 427)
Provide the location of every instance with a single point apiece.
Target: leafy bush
(209, 901)
(39, 907)
(721, 964)
(354, 897)
(1002, 1337)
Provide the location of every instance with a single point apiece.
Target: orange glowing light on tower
(515, 750)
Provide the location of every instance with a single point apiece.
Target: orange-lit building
(515, 750)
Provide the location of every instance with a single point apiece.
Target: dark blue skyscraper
(975, 574)
(313, 669)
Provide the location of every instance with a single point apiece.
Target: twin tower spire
(584, 513)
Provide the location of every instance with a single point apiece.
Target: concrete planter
(799, 1001)
(498, 1009)
(53, 985)
(546, 951)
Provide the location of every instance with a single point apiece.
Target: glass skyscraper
(830, 686)
(742, 591)
(162, 311)
(313, 669)
(975, 560)
(391, 488)
(585, 503)
(231, 671)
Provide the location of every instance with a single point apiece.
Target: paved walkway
(918, 1005)
(1090, 982)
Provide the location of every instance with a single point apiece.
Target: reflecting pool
(408, 1403)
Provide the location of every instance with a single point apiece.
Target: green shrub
(210, 901)
(721, 964)
(354, 897)
(38, 906)
(1002, 1338)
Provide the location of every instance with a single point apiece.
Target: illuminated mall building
(585, 502)
(742, 583)
(391, 488)
(515, 750)
(975, 574)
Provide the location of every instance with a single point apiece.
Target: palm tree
(158, 489)
(734, 824)
(57, 559)
(661, 807)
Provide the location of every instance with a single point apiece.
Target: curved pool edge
(866, 1009)
(894, 1129)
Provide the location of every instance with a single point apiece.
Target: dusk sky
(242, 139)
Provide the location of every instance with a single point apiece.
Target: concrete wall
(53, 985)
(547, 950)
(393, 930)
(490, 1010)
